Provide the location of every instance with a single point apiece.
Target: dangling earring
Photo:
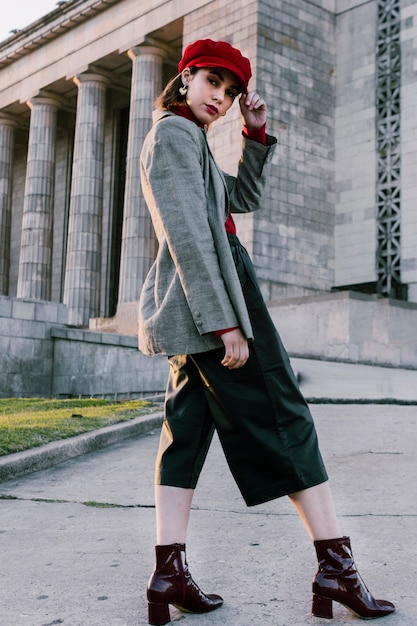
(183, 90)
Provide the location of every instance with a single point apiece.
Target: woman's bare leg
(314, 505)
(173, 505)
(316, 509)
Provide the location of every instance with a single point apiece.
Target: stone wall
(41, 356)
(349, 326)
(88, 363)
(26, 348)
(293, 54)
(296, 64)
(355, 212)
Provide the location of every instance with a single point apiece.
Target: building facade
(339, 76)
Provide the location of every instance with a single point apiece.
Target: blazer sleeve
(175, 190)
(246, 190)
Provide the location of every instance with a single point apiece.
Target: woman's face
(211, 92)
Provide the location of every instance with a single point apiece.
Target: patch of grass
(29, 422)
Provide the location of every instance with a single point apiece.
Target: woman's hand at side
(236, 349)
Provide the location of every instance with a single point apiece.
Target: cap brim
(231, 68)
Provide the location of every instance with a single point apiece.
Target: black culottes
(263, 422)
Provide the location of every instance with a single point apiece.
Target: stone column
(7, 135)
(138, 238)
(83, 266)
(35, 262)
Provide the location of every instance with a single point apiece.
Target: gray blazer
(192, 288)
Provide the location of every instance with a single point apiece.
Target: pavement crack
(113, 505)
(91, 503)
(385, 452)
(390, 401)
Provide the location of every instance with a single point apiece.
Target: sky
(21, 13)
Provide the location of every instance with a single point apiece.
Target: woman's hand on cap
(253, 109)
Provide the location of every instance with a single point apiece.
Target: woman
(201, 306)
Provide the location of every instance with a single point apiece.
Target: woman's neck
(184, 111)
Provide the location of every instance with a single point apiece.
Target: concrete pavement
(76, 538)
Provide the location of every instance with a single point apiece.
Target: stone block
(10, 327)
(110, 339)
(92, 337)
(34, 330)
(66, 363)
(75, 334)
(58, 332)
(60, 386)
(128, 342)
(23, 309)
(6, 306)
(46, 312)
(26, 385)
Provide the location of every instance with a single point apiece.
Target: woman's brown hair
(171, 96)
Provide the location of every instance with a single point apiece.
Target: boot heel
(158, 614)
(322, 607)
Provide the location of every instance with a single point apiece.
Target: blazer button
(197, 314)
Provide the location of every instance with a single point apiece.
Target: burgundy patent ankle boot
(338, 579)
(171, 583)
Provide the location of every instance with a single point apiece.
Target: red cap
(208, 53)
